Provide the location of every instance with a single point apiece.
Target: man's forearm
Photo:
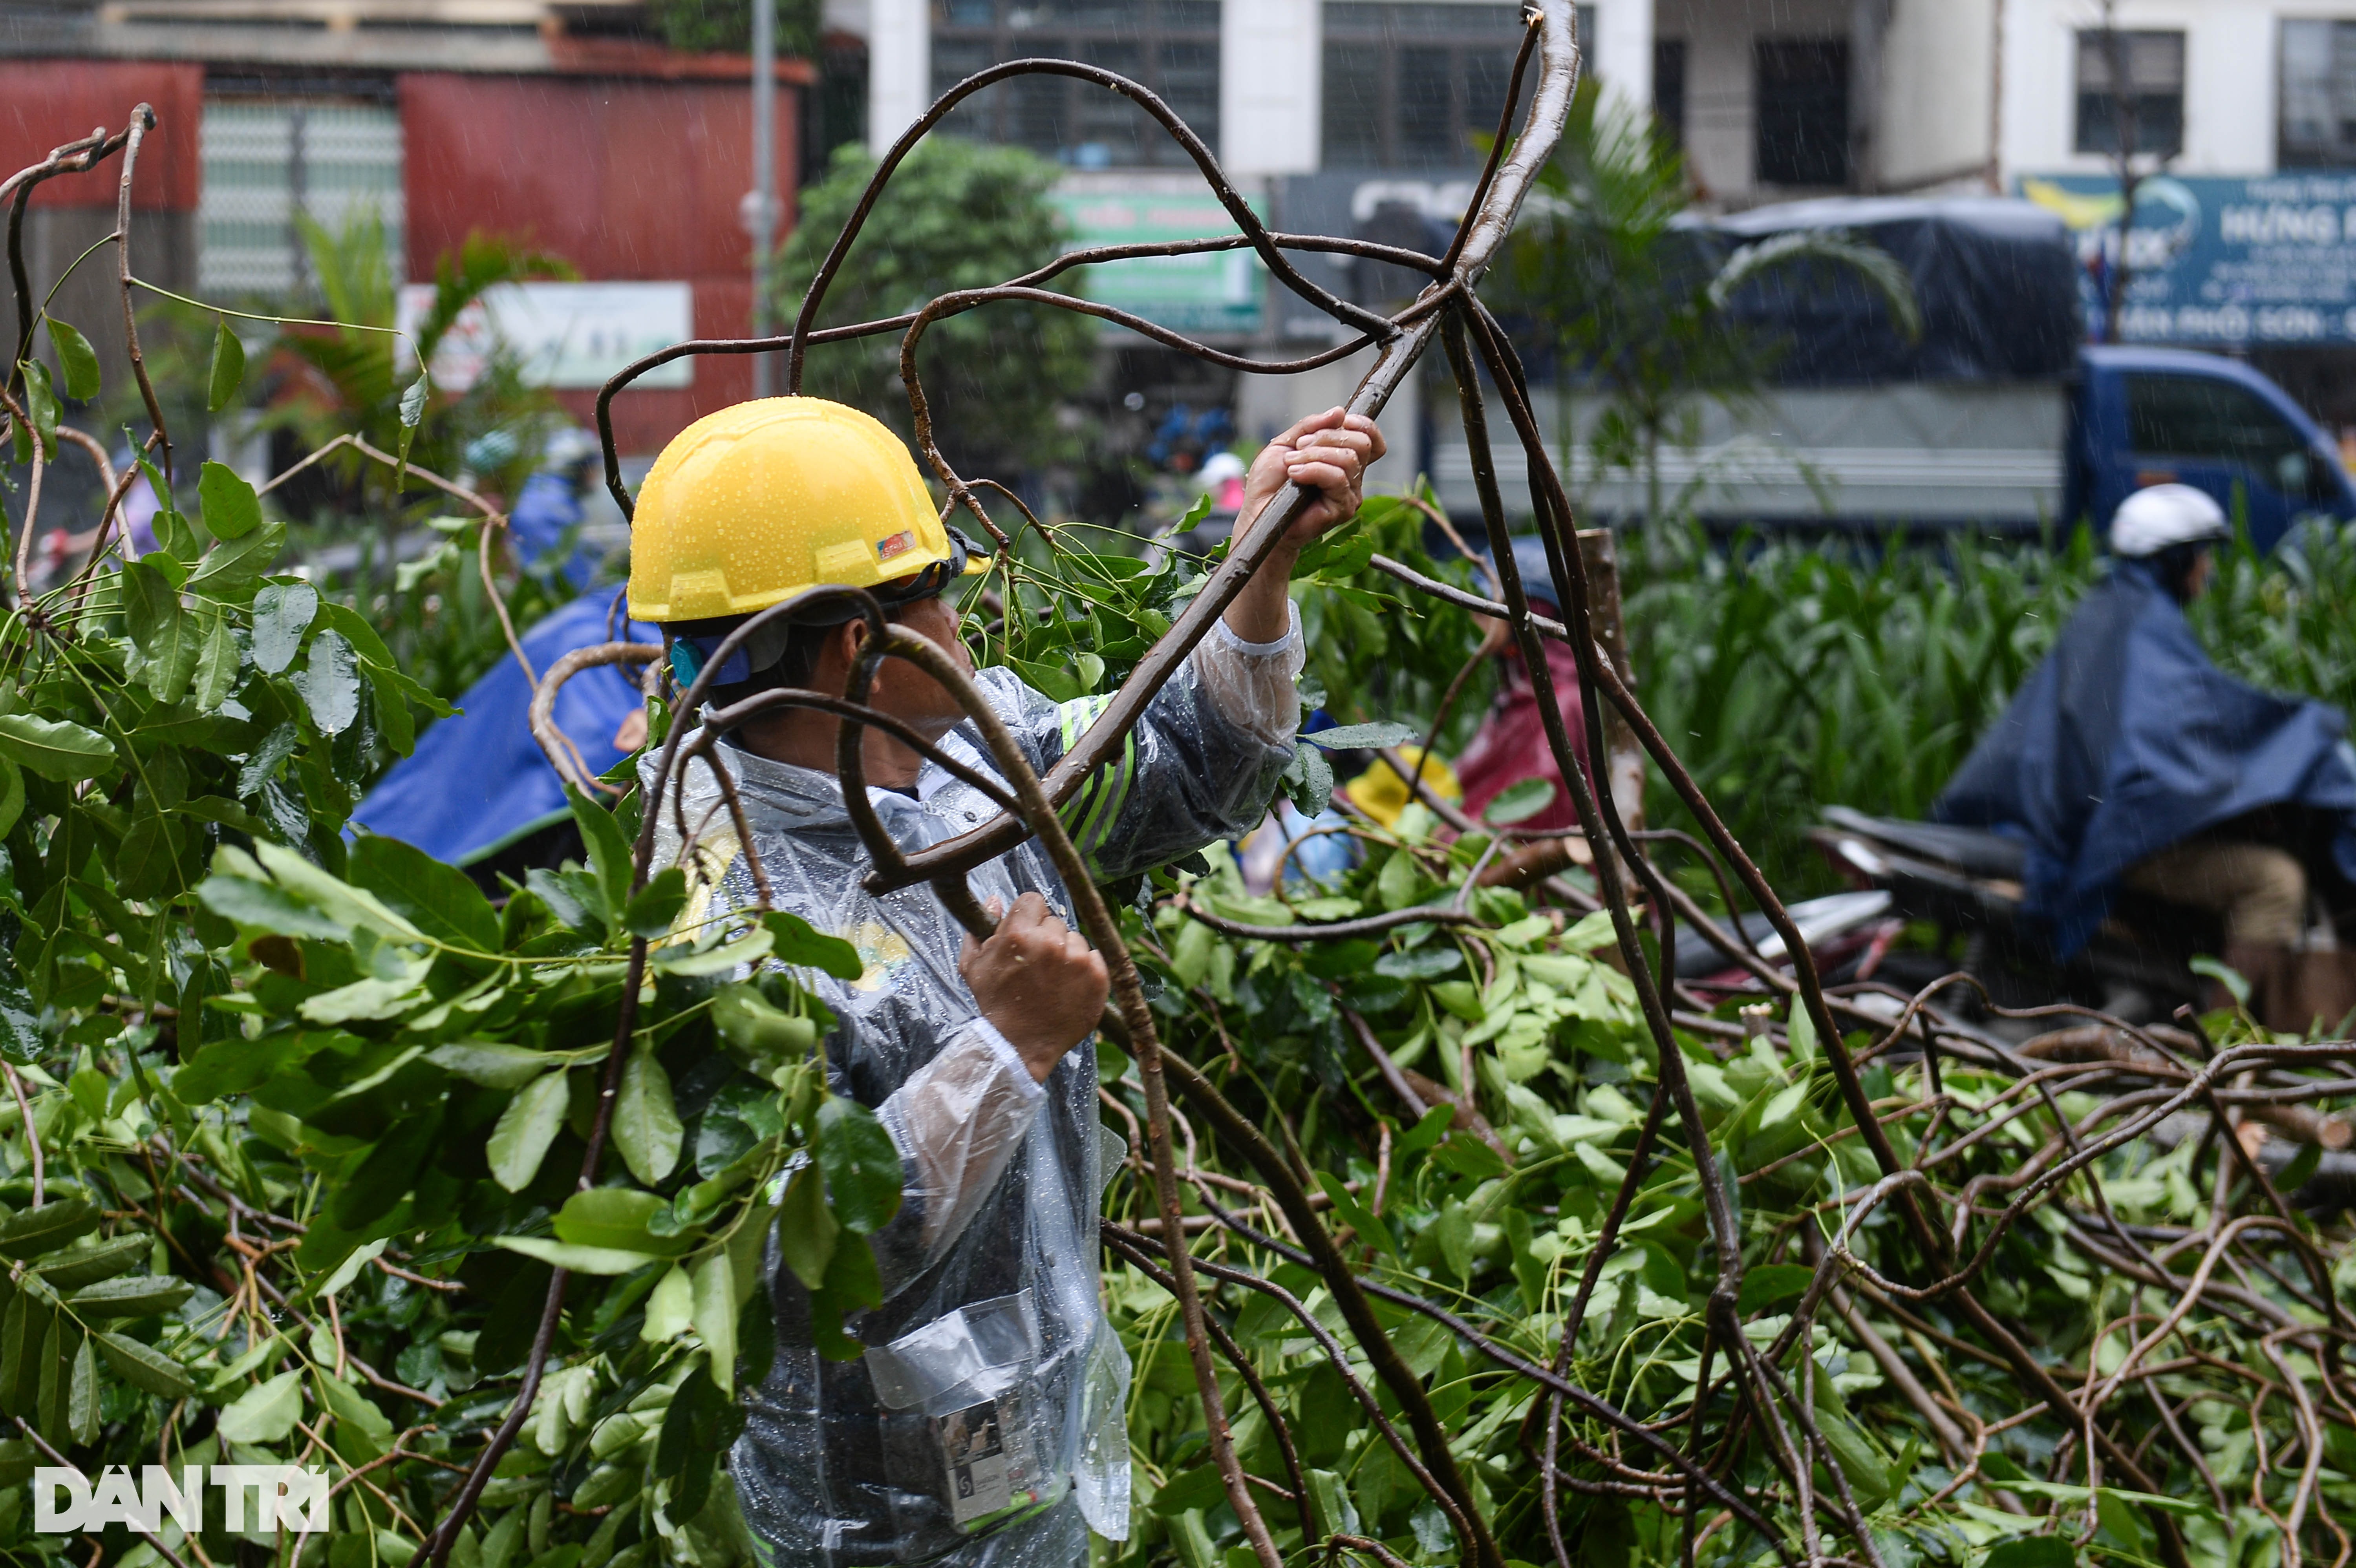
(1261, 611)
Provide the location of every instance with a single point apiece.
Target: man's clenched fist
(1038, 982)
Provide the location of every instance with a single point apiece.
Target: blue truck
(1997, 416)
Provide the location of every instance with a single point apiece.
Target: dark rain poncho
(2127, 739)
(985, 1419)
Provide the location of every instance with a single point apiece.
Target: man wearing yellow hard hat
(982, 1423)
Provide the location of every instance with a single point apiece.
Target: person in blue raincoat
(478, 792)
(2128, 760)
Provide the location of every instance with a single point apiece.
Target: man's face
(2196, 579)
(909, 694)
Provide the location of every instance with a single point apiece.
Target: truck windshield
(2196, 419)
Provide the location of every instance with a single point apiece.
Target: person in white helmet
(2128, 760)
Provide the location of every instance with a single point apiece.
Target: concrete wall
(1938, 96)
(2231, 93)
(674, 157)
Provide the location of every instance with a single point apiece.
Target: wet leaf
(76, 361)
(41, 402)
(264, 1413)
(646, 1123)
(231, 567)
(144, 1367)
(525, 1130)
(228, 371)
(861, 1166)
(329, 682)
(579, 1259)
(806, 1228)
(714, 1313)
(232, 510)
(283, 615)
(55, 749)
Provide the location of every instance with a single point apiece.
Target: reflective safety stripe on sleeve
(1089, 816)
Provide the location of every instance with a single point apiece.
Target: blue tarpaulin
(478, 781)
(2127, 739)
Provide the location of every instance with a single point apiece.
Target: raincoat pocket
(971, 1426)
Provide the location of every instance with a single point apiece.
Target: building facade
(563, 126)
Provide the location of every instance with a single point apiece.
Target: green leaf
(12, 795)
(139, 1296)
(227, 367)
(1363, 737)
(2237, 986)
(797, 941)
(609, 852)
(763, 1036)
(329, 682)
(646, 1121)
(41, 402)
(614, 1218)
(232, 510)
(439, 900)
(231, 567)
(853, 1282)
(1519, 802)
(579, 1259)
(75, 359)
(749, 948)
(670, 1307)
(861, 1166)
(1769, 1285)
(525, 1129)
(48, 1228)
(145, 1367)
(57, 1349)
(656, 905)
(55, 749)
(264, 1413)
(1357, 1215)
(263, 906)
(351, 906)
(81, 1392)
(2031, 1551)
(167, 635)
(806, 1228)
(713, 1312)
(489, 1063)
(216, 663)
(71, 1271)
(283, 615)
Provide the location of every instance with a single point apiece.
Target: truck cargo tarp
(2126, 739)
(478, 781)
(1996, 280)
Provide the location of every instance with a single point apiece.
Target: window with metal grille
(1414, 85)
(266, 162)
(2130, 79)
(2318, 94)
(1171, 45)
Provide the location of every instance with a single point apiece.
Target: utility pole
(761, 206)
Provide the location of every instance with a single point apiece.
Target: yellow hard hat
(748, 507)
(1382, 794)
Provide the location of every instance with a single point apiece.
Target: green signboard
(1217, 292)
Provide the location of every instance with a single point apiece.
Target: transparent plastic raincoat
(984, 1420)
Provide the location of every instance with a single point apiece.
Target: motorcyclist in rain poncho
(982, 1423)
